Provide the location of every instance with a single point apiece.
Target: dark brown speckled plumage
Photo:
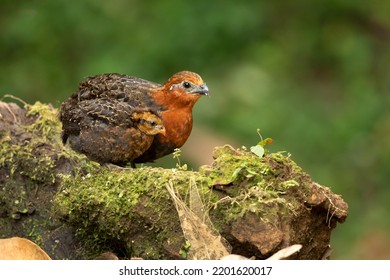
(110, 131)
(97, 119)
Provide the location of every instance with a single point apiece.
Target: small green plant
(259, 148)
(176, 155)
(184, 250)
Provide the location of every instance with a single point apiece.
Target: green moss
(46, 122)
(30, 148)
(25, 161)
(124, 204)
(134, 205)
(253, 184)
(34, 158)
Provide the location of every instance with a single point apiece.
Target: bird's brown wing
(128, 89)
(109, 111)
(124, 92)
(104, 130)
(88, 113)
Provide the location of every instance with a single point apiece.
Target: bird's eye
(186, 85)
(153, 123)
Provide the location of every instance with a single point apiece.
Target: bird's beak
(163, 131)
(202, 89)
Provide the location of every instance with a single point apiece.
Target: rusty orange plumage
(120, 96)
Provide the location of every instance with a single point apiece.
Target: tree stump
(76, 209)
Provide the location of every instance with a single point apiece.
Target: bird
(109, 131)
(172, 102)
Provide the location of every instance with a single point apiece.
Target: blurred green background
(312, 75)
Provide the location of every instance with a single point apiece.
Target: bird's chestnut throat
(177, 119)
(178, 126)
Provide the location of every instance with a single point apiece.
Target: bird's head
(188, 83)
(183, 89)
(149, 123)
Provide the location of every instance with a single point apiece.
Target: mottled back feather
(108, 98)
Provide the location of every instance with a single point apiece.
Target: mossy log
(76, 209)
